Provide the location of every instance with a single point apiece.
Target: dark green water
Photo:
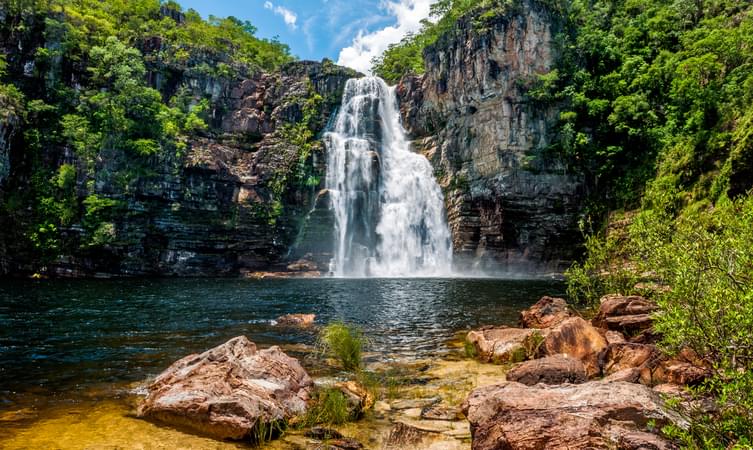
(63, 337)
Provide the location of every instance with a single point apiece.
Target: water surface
(62, 339)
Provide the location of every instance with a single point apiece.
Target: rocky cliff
(511, 206)
(229, 199)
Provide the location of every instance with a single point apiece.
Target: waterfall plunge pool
(62, 340)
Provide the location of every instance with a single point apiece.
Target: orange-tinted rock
(594, 415)
(618, 357)
(578, 339)
(500, 344)
(685, 368)
(556, 369)
(673, 371)
(228, 391)
(546, 313)
(624, 313)
(296, 320)
(614, 337)
(632, 375)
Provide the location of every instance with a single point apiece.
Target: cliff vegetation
(655, 102)
(133, 131)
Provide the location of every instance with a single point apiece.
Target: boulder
(546, 313)
(628, 314)
(673, 371)
(501, 345)
(556, 369)
(625, 355)
(230, 391)
(591, 415)
(578, 339)
(296, 320)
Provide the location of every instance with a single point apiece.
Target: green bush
(705, 256)
(330, 407)
(604, 271)
(344, 343)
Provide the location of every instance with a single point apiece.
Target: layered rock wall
(511, 206)
(226, 200)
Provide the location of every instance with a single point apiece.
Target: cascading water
(388, 208)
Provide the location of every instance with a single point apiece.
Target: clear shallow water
(61, 338)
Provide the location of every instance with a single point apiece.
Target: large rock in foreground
(229, 391)
(591, 415)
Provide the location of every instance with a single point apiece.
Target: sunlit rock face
(511, 206)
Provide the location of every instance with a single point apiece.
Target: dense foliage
(656, 101)
(406, 57)
(94, 87)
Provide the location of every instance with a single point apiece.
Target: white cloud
(408, 15)
(287, 15)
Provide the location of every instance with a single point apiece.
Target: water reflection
(59, 337)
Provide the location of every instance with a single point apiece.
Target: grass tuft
(344, 343)
(330, 407)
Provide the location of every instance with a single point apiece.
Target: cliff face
(232, 203)
(510, 205)
(227, 200)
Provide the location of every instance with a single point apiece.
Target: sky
(350, 32)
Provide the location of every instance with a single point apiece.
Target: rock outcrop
(591, 415)
(627, 314)
(578, 339)
(546, 313)
(500, 345)
(558, 369)
(225, 199)
(230, 391)
(511, 206)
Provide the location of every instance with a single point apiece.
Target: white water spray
(389, 209)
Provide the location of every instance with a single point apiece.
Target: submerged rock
(500, 345)
(546, 313)
(591, 415)
(230, 391)
(578, 339)
(556, 369)
(296, 320)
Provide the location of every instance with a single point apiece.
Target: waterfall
(388, 208)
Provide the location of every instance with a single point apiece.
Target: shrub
(329, 407)
(470, 349)
(706, 257)
(344, 343)
(603, 272)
